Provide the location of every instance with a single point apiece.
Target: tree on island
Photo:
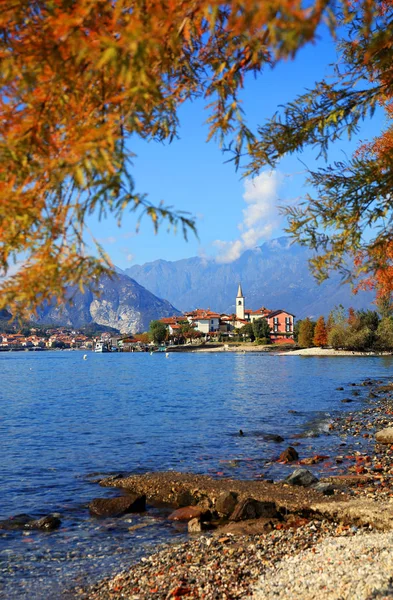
(81, 80)
(248, 331)
(320, 333)
(261, 330)
(306, 333)
(158, 331)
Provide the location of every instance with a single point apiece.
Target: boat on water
(101, 347)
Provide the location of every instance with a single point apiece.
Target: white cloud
(260, 217)
(130, 257)
(128, 234)
(111, 239)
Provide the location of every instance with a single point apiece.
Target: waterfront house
(205, 321)
(211, 324)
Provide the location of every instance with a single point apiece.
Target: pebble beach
(305, 557)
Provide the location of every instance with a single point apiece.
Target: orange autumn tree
(350, 212)
(79, 79)
(320, 333)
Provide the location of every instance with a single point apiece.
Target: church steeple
(240, 303)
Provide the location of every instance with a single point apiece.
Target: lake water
(63, 420)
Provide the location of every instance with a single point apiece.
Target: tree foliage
(360, 331)
(384, 336)
(79, 80)
(347, 221)
(320, 333)
(158, 331)
(248, 331)
(261, 330)
(306, 333)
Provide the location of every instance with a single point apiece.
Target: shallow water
(63, 418)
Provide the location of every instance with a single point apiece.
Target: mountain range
(121, 303)
(275, 275)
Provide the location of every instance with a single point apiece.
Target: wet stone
(114, 507)
(289, 455)
(273, 437)
(16, 522)
(187, 513)
(48, 523)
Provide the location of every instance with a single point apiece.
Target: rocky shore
(336, 535)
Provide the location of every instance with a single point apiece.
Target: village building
(205, 321)
(212, 324)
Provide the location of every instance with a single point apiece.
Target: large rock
(385, 436)
(254, 509)
(114, 507)
(301, 477)
(186, 513)
(289, 455)
(225, 503)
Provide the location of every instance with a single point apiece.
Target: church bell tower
(240, 303)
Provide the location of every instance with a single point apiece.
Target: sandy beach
(332, 352)
(316, 351)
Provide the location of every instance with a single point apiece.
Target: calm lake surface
(65, 421)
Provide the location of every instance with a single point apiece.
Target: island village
(213, 325)
(196, 326)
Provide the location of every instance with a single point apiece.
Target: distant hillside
(275, 275)
(122, 303)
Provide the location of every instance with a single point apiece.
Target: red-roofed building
(208, 322)
(205, 321)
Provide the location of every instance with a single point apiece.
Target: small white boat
(101, 347)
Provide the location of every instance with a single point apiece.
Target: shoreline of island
(274, 350)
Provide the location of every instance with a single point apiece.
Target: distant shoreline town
(202, 325)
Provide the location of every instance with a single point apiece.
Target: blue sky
(232, 214)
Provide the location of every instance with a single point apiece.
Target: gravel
(358, 568)
(214, 567)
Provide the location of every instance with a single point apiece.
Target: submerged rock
(114, 507)
(273, 437)
(289, 455)
(301, 477)
(48, 523)
(16, 522)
